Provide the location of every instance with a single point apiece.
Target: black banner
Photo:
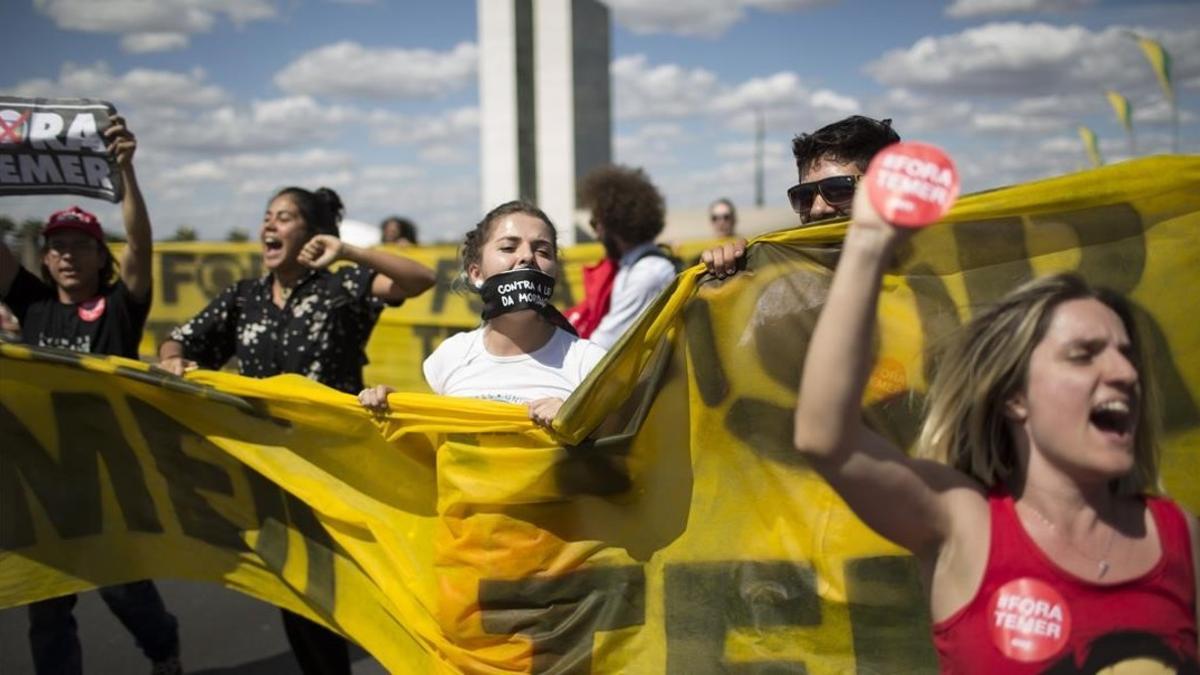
(57, 146)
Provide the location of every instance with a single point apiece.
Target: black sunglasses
(837, 191)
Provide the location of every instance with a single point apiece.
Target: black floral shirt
(321, 331)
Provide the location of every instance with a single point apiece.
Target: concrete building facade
(545, 102)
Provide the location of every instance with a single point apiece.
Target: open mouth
(1115, 417)
(272, 244)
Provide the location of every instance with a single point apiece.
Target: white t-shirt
(461, 366)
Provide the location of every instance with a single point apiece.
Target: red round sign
(90, 310)
(1029, 620)
(912, 184)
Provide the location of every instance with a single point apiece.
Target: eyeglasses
(837, 191)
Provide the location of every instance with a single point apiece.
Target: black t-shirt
(320, 332)
(110, 323)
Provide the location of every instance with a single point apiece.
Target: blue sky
(234, 98)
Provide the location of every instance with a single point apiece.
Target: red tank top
(1031, 616)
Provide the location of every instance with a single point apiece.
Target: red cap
(74, 218)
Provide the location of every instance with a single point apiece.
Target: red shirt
(597, 297)
(1031, 616)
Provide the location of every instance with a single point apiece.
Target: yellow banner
(665, 526)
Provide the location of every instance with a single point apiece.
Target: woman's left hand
(321, 251)
(544, 410)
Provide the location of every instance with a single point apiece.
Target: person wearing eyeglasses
(830, 161)
(722, 215)
(89, 301)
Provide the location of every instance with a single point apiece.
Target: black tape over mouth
(522, 289)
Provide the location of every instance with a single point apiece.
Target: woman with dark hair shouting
(301, 318)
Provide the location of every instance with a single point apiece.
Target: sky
(378, 99)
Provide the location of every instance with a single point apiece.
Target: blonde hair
(965, 424)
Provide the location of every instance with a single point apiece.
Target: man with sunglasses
(829, 162)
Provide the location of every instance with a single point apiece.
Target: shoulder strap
(660, 251)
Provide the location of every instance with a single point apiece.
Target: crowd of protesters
(1036, 459)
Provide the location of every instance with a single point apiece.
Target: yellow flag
(1089, 143)
(1160, 61)
(1121, 107)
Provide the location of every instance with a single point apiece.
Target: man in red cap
(81, 304)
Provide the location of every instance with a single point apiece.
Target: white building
(545, 105)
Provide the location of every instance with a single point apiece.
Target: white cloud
(642, 91)
(264, 125)
(207, 171)
(963, 9)
(834, 102)
(1014, 123)
(139, 43)
(1157, 111)
(651, 145)
(669, 90)
(349, 69)
(1015, 59)
(140, 87)
(457, 125)
(708, 18)
(390, 172)
(732, 177)
(240, 170)
(442, 153)
(784, 101)
(152, 25)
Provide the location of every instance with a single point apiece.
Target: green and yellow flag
(1121, 109)
(666, 525)
(1160, 61)
(1091, 145)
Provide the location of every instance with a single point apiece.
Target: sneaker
(167, 666)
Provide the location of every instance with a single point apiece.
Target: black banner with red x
(57, 146)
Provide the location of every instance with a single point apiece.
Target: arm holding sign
(399, 277)
(136, 259)
(941, 507)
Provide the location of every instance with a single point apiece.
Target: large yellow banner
(665, 525)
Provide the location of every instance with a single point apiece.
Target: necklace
(1102, 564)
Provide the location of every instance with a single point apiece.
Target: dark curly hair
(625, 201)
(471, 252)
(322, 210)
(855, 140)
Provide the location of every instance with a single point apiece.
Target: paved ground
(221, 633)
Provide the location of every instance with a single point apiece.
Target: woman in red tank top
(1027, 506)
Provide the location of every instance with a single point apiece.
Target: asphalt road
(221, 633)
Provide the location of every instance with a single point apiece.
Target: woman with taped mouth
(1030, 505)
(525, 351)
(301, 318)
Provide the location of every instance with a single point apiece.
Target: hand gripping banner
(665, 525)
(57, 146)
